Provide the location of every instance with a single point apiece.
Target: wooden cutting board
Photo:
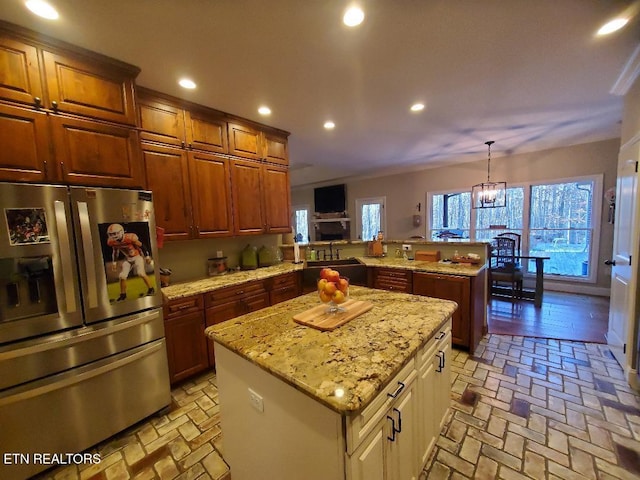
(318, 318)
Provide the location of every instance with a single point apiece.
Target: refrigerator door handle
(65, 255)
(87, 247)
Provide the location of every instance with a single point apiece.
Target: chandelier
(489, 194)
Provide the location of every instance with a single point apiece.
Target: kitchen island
(364, 401)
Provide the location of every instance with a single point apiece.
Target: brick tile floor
(521, 408)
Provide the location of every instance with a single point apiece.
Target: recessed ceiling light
(187, 83)
(417, 107)
(612, 26)
(264, 110)
(329, 125)
(42, 9)
(353, 16)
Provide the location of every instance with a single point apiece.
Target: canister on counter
(217, 266)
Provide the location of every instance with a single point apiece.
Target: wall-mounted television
(330, 199)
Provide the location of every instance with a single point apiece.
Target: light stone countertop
(420, 266)
(343, 369)
(208, 284)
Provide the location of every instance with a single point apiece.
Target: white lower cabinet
(434, 389)
(389, 451)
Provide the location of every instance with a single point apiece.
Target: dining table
(537, 293)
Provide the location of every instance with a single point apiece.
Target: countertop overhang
(343, 369)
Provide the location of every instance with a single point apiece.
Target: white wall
(404, 191)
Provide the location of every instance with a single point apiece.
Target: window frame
(360, 202)
(296, 208)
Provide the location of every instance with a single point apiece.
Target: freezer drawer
(37, 358)
(70, 412)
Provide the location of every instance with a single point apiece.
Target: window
(450, 215)
(493, 221)
(370, 218)
(301, 223)
(556, 219)
(562, 226)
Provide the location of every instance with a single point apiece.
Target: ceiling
(529, 75)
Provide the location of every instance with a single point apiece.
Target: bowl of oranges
(333, 289)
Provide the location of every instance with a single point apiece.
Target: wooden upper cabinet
(19, 72)
(168, 178)
(245, 141)
(275, 148)
(246, 179)
(160, 121)
(25, 153)
(276, 199)
(211, 195)
(206, 131)
(89, 88)
(92, 153)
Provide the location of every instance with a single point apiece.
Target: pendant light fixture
(489, 194)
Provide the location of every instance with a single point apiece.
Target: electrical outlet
(406, 248)
(256, 401)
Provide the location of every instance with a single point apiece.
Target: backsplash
(188, 259)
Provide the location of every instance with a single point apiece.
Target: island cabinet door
(427, 421)
(389, 452)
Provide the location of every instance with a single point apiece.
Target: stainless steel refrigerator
(82, 349)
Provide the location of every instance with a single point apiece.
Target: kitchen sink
(351, 268)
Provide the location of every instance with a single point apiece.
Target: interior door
(622, 301)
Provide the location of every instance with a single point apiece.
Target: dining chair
(504, 266)
(515, 236)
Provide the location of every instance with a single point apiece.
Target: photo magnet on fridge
(128, 265)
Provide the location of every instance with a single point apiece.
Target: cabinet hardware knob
(397, 391)
(54, 105)
(44, 168)
(37, 101)
(440, 336)
(182, 144)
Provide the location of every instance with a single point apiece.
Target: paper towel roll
(296, 253)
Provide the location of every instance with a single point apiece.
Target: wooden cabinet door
(277, 204)
(449, 287)
(19, 72)
(91, 153)
(275, 149)
(245, 141)
(167, 175)
(206, 132)
(25, 154)
(88, 88)
(211, 195)
(186, 346)
(247, 197)
(160, 122)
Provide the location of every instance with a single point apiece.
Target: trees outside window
(301, 223)
(556, 219)
(370, 218)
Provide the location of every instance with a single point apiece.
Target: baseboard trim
(580, 289)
